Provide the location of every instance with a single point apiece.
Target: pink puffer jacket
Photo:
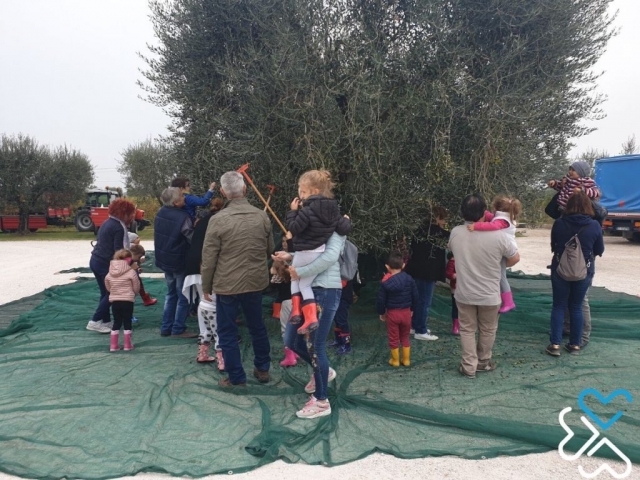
(122, 282)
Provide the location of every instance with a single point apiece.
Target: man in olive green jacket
(236, 247)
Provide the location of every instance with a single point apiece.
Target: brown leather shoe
(226, 383)
(489, 367)
(185, 334)
(261, 375)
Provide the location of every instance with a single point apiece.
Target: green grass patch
(62, 233)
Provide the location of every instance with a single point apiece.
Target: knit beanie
(582, 168)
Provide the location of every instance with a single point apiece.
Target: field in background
(62, 233)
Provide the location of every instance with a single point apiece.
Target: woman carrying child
(313, 218)
(505, 218)
(123, 285)
(577, 220)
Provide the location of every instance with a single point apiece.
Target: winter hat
(582, 168)
(132, 237)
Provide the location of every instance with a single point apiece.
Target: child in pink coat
(506, 213)
(123, 285)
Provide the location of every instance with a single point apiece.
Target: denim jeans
(425, 296)
(341, 318)
(176, 306)
(568, 295)
(100, 270)
(227, 310)
(328, 300)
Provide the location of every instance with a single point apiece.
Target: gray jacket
(236, 247)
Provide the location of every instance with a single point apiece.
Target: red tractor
(95, 212)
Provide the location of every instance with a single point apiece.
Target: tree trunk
(23, 212)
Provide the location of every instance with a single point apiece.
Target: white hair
(233, 184)
(170, 196)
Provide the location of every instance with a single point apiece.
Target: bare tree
(630, 147)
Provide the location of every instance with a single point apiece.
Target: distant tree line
(32, 176)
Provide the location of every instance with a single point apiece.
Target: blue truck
(619, 180)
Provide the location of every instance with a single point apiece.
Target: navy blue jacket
(396, 292)
(110, 239)
(591, 239)
(171, 245)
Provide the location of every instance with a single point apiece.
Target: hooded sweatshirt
(315, 222)
(122, 282)
(591, 240)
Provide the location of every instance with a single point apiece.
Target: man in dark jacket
(397, 296)
(237, 245)
(172, 234)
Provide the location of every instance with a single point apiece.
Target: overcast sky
(68, 71)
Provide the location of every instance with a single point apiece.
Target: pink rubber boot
(127, 341)
(289, 358)
(456, 327)
(114, 341)
(220, 359)
(507, 302)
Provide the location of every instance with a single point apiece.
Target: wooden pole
(243, 171)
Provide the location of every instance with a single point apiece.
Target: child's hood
(117, 268)
(324, 208)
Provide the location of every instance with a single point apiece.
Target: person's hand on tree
(212, 186)
(295, 204)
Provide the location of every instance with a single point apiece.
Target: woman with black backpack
(576, 239)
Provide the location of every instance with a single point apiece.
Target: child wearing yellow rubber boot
(397, 297)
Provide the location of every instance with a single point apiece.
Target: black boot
(345, 347)
(335, 343)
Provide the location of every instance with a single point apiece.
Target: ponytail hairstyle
(509, 205)
(123, 254)
(320, 179)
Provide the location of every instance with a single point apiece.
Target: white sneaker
(311, 386)
(314, 409)
(425, 336)
(412, 331)
(99, 327)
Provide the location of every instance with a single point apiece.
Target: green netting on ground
(69, 408)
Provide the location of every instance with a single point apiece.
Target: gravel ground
(30, 267)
